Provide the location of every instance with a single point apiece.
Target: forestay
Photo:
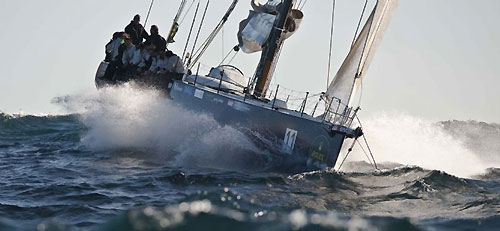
(352, 71)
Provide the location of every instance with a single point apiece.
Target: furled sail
(255, 30)
(359, 58)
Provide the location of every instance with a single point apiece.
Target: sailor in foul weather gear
(136, 30)
(154, 64)
(163, 63)
(156, 39)
(174, 63)
(141, 56)
(113, 45)
(128, 53)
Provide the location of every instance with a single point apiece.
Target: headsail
(359, 58)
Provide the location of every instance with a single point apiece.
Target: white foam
(124, 117)
(405, 139)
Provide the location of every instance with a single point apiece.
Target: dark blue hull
(298, 144)
(297, 141)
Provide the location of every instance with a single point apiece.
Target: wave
(409, 140)
(203, 215)
(480, 137)
(413, 178)
(491, 174)
(198, 215)
(50, 128)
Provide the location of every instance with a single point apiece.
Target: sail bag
(255, 30)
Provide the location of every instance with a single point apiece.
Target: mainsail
(351, 73)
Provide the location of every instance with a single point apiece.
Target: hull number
(289, 141)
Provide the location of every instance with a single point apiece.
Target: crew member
(156, 39)
(136, 30)
(128, 53)
(113, 45)
(141, 57)
(175, 64)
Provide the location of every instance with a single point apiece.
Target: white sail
(359, 58)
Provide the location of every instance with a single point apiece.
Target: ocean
(123, 159)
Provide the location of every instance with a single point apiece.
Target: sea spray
(126, 117)
(405, 139)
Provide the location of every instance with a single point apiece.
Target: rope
(332, 29)
(359, 23)
(149, 12)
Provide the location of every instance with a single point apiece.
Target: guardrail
(332, 111)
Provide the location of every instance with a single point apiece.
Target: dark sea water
(127, 163)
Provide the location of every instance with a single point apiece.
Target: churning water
(130, 160)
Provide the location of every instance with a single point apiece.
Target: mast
(263, 74)
(175, 25)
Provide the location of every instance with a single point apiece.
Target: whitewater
(130, 159)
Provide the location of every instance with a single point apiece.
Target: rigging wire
(190, 32)
(187, 12)
(234, 56)
(149, 12)
(367, 145)
(347, 154)
(366, 154)
(179, 11)
(212, 35)
(332, 29)
(298, 5)
(227, 56)
(199, 30)
(222, 43)
(302, 7)
(374, 163)
(359, 23)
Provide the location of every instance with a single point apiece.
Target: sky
(438, 60)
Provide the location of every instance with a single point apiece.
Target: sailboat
(301, 137)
